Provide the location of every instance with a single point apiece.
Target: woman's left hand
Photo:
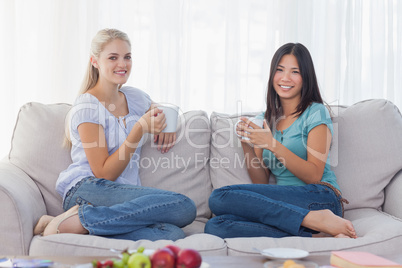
(260, 137)
(165, 141)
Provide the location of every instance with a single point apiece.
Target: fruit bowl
(280, 264)
(162, 257)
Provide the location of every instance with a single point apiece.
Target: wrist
(271, 145)
(141, 126)
(274, 147)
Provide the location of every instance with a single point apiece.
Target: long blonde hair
(100, 40)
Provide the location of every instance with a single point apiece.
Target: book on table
(359, 259)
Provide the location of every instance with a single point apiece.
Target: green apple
(118, 264)
(139, 260)
(125, 257)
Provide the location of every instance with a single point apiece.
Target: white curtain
(212, 55)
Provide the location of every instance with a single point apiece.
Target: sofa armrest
(393, 197)
(21, 206)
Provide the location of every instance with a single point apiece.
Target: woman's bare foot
(67, 222)
(42, 223)
(327, 222)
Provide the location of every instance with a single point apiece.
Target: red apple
(188, 258)
(163, 258)
(173, 248)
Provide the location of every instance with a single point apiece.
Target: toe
(42, 223)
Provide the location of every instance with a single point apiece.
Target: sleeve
(319, 115)
(86, 111)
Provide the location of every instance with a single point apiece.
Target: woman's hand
(153, 121)
(165, 141)
(257, 136)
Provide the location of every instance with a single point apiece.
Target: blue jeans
(123, 211)
(252, 210)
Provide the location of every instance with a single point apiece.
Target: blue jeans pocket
(81, 201)
(68, 201)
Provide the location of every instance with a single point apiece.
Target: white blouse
(88, 109)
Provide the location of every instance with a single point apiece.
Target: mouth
(122, 72)
(286, 87)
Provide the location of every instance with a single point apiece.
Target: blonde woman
(101, 189)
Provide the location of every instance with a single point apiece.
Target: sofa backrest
(367, 147)
(365, 152)
(227, 166)
(37, 149)
(184, 169)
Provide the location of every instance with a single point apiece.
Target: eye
(296, 72)
(127, 57)
(113, 58)
(279, 69)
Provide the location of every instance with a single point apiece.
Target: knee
(212, 225)
(217, 197)
(216, 226)
(219, 193)
(190, 204)
(189, 209)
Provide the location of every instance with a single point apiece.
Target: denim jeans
(252, 210)
(123, 211)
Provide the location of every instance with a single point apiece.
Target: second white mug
(258, 121)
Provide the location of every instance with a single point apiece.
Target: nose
(122, 63)
(285, 76)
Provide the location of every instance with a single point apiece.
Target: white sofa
(366, 156)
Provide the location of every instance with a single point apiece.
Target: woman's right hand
(257, 136)
(257, 171)
(153, 121)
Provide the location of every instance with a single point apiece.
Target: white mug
(171, 112)
(258, 121)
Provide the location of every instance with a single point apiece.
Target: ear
(94, 62)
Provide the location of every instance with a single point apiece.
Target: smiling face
(287, 80)
(114, 63)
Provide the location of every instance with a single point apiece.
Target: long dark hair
(310, 91)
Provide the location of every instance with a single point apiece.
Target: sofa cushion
(184, 169)
(37, 148)
(227, 166)
(366, 151)
(378, 233)
(88, 245)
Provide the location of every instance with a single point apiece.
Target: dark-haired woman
(293, 145)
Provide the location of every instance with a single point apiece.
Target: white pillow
(37, 148)
(184, 169)
(366, 151)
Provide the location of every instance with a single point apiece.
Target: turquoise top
(87, 108)
(295, 139)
